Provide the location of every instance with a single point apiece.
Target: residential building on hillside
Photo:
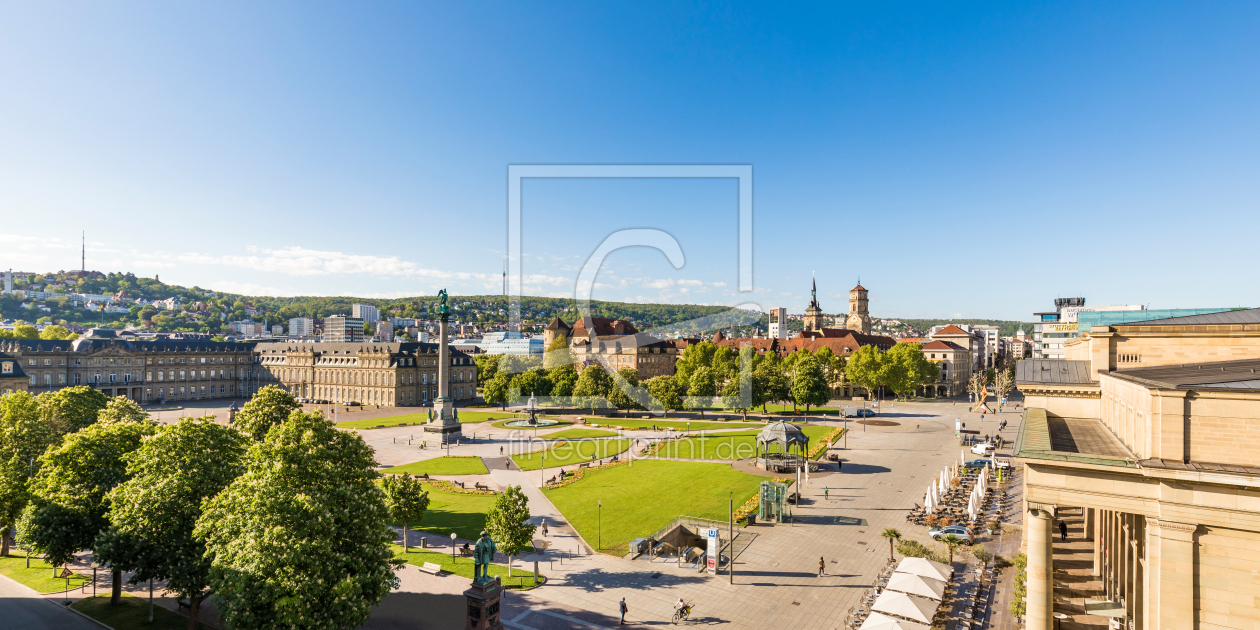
(365, 312)
(342, 329)
(1147, 430)
(384, 331)
(301, 327)
(388, 374)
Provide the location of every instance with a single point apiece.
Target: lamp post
(600, 540)
(452, 547)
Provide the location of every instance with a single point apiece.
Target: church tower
(813, 313)
(859, 310)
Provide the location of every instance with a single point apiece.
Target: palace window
(61, 379)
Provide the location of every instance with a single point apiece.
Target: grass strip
(131, 613)
(522, 578)
(39, 576)
(570, 453)
(447, 465)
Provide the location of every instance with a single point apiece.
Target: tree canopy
(406, 499)
(507, 522)
(270, 406)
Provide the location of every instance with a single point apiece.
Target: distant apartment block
(778, 323)
(365, 312)
(301, 327)
(342, 329)
(384, 330)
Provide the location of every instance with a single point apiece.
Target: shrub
(916, 549)
(1018, 603)
(931, 520)
(981, 553)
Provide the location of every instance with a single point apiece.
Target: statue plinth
(483, 605)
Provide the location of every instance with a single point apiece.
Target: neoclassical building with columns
(1150, 431)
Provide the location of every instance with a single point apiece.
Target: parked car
(977, 463)
(854, 412)
(1001, 462)
(957, 530)
(983, 449)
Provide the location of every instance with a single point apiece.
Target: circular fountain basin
(539, 422)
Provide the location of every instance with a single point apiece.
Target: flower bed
(821, 447)
(577, 475)
(446, 486)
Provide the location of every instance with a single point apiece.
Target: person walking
(826, 492)
(544, 528)
(822, 564)
(624, 610)
(839, 465)
(1063, 530)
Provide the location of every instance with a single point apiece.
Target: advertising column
(714, 549)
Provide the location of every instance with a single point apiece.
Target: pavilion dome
(782, 432)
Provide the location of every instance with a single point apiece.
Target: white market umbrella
(963, 458)
(879, 621)
(902, 605)
(911, 584)
(925, 568)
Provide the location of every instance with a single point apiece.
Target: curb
(69, 608)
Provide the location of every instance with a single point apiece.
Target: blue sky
(973, 161)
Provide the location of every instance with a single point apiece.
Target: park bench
(465, 552)
(458, 483)
(551, 481)
(584, 465)
(481, 486)
(424, 475)
(429, 567)
(184, 603)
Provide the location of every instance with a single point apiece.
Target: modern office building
(365, 312)
(507, 342)
(301, 327)
(342, 329)
(778, 323)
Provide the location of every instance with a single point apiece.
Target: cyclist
(682, 609)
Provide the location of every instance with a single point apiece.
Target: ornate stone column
(445, 421)
(1039, 615)
(1172, 575)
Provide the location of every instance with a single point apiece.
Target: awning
(917, 585)
(925, 568)
(883, 622)
(902, 605)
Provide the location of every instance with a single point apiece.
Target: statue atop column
(483, 555)
(443, 418)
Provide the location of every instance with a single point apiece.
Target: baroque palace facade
(388, 374)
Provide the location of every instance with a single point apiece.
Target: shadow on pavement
(417, 611)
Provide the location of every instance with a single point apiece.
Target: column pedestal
(483, 605)
(444, 422)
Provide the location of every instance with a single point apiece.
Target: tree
(507, 521)
(563, 380)
(694, 357)
(487, 366)
(269, 407)
(72, 408)
(809, 388)
(24, 435)
(25, 331)
(532, 382)
(774, 382)
(865, 368)
(905, 368)
(664, 390)
(153, 513)
(832, 366)
(618, 397)
(976, 386)
(57, 332)
(406, 499)
(701, 389)
(1002, 385)
(496, 389)
(301, 539)
(952, 542)
(558, 353)
(119, 410)
(592, 385)
(68, 505)
(892, 535)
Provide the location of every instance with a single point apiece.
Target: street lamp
(452, 547)
(600, 516)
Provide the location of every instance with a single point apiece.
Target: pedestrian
(624, 610)
(1063, 529)
(544, 528)
(839, 464)
(955, 403)
(500, 450)
(826, 493)
(821, 565)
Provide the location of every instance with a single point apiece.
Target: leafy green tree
(665, 391)
(24, 436)
(301, 540)
(563, 379)
(535, 382)
(618, 397)
(119, 410)
(694, 357)
(269, 406)
(507, 522)
(73, 408)
(592, 386)
(25, 331)
(809, 387)
(701, 389)
(865, 368)
(725, 363)
(774, 384)
(905, 368)
(487, 366)
(496, 389)
(68, 505)
(557, 354)
(57, 332)
(153, 513)
(406, 499)
(832, 366)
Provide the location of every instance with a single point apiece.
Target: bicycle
(682, 613)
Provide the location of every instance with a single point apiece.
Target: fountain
(533, 421)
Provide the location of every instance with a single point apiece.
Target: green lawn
(463, 567)
(464, 514)
(465, 417)
(641, 498)
(575, 434)
(570, 453)
(813, 411)
(442, 466)
(39, 576)
(680, 425)
(131, 613)
(739, 445)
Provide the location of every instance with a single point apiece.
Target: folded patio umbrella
(902, 605)
(879, 621)
(926, 568)
(911, 584)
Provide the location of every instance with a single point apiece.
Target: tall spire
(813, 289)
